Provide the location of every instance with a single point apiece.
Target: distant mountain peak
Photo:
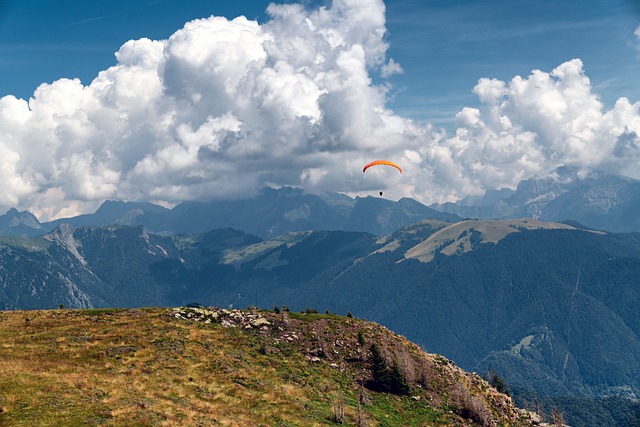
(20, 223)
(594, 198)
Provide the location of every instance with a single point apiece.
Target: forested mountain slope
(550, 307)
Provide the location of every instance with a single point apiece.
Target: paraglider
(381, 162)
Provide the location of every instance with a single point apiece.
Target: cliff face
(195, 366)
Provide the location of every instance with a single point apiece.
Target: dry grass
(147, 368)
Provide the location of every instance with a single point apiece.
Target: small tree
(379, 364)
(388, 379)
(361, 421)
(263, 348)
(338, 410)
(397, 382)
(497, 382)
(556, 417)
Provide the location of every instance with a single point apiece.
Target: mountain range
(269, 214)
(551, 307)
(593, 198)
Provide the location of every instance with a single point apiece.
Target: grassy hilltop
(196, 366)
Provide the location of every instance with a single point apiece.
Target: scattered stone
(227, 318)
(261, 321)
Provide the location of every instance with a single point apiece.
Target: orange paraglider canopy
(381, 162)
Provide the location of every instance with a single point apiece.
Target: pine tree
(386, 379)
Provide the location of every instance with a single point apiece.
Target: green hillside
(201, 366)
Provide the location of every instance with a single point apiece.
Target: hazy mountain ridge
(20, 223)
(592, 198)
(271, 213)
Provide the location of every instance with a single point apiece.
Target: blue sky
(446, 46)
(177, 100)
(42, 41)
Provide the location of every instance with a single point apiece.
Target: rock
(260, 321)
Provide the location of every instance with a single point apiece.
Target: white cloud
(391, 68)
(224, 107)
(532, 125)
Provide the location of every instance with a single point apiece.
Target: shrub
(471, 407)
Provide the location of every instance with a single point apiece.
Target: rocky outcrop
(228, 318)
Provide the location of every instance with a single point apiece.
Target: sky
(167, 101)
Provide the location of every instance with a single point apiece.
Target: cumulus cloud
(224, 107)
(530, 126)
